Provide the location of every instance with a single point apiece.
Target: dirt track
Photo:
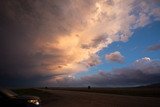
(84, 99)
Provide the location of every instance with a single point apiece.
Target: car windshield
(9, 93)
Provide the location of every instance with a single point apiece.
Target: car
(10, 99)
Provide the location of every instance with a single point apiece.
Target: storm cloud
(44, 40)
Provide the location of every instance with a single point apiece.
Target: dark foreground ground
(79, 97)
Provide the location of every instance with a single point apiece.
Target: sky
(76, 43)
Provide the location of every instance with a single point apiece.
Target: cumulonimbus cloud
(115, 57)
(60, 37)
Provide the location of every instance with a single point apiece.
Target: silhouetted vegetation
(145, 92)
(89, 87)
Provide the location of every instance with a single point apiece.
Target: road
(63, 98)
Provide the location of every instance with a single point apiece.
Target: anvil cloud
(46, 40)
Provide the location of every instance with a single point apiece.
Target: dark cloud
(20, 25)
(28, 38)
(134, 75)
(38, 39)
(154, 47)
(141, 72)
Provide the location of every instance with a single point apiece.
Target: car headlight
(36, 102)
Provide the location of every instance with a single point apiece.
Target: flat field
(96, 97)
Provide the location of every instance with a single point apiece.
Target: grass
(144, 92)
(45, 96)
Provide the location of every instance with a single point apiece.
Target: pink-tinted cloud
(62, 37)
(145, 71)
(141, 72)
(115, 57)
